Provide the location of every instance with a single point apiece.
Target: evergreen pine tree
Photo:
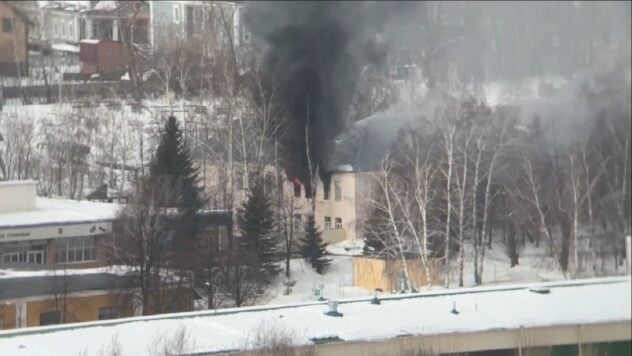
(172, 169)
(313, 248)
(258, 244)
(175, 179)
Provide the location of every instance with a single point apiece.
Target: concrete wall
(78, 309)
(518, 341)
(16, 196)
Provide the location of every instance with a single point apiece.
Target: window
(338, 223)
(62, 28)
(71, 30)
(23, 253)
(76, 249)
(50, 318)
(7, 25)
(338, 190)
(326, 189)
(327, 223)
(297, 189)
(176, 13)
(108, 313)
(14, 254)
(55, 29)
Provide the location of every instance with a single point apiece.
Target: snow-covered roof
(64, 47)
(106, 6)
(60, 211)
(39, 271)
(580, 302)
(90, 41)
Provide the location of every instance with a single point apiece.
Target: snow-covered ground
(535, 265)
(337, 282)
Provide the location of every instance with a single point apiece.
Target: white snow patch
(49, 211)
(337, 282)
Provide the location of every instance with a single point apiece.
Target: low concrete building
(568, 317)
(52, 232)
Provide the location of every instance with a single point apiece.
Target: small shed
(105, 57)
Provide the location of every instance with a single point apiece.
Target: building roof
(363, 144)
(60, 211)
(65, 47)
(579, 302)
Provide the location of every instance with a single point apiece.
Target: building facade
(340, 210)
(14, 57)
(65, 23)
(196, 20)
(52, 233)
(59, 297)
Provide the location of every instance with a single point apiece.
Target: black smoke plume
(314, 51)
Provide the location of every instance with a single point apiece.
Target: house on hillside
(107, 58)
(196, 20)
(67, 23)
(14, 55)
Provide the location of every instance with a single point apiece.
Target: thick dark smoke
(314, 51)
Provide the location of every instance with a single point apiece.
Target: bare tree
(142, 245)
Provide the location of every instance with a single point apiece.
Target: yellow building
(341, 210)
(47, 297)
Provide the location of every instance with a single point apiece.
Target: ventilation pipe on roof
(375, 300)
(454, 311)
(333, 308)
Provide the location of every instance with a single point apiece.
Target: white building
(51, 232)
